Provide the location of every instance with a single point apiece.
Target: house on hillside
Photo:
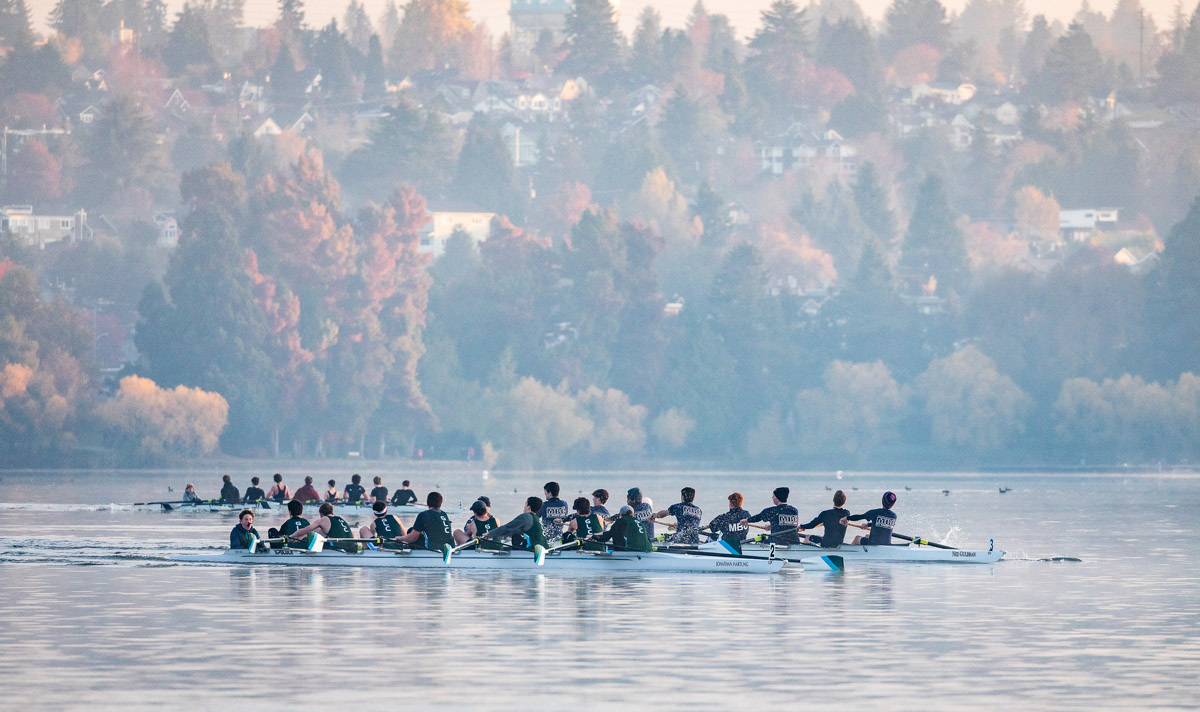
(800, 149)
(445, 218)
(35, 230)
(1079, 225)
(946, 93)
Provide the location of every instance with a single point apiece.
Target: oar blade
(827, 562)
(447, 552)
(166, 506)
(539, 554)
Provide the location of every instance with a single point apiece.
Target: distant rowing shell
(914, 554)
(344, 510)
(564, 562)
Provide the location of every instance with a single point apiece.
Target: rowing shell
(559, 562)
(344, 510)
(848, 552)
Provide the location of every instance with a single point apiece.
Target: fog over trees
(943, 239)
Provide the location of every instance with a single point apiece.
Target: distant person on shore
(355, 492)
(403, 496)
(379, 493)
(229, 491)
(331, 494)
(308, 493)
(279, 492)
(831, 520)
(880, 521)
(189, 494)
(254, 493)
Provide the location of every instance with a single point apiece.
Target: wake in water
(57, 507)
(93, 552)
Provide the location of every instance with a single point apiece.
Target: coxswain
(599, 499)
(239, 538)
(783, 517)
(643, 511)
(279, 491)
(553, 512)
(308, 493)
(330, 526)
(432, 530)
(626, 533)
(480, 523)
(525, 529)
(331, 494)
(292, 524)
(403, 496)
(731, 525)
(831, 520)
(355, 492)
(687, 518)
(881, 522)
(584, 523)
(379, 493)
(254, 493)
(189, 494)
(229, 491)
(385, 526)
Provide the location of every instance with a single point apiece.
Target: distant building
(1079, 225)
(41, 230)
(444, 220)
(953, 94)
(800, 149)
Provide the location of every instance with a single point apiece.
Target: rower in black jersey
(279, 491)
(626, 533)
(385, 526)
(783, 517)
(687, 518)
(553, 512)
(831, 520)
(599, 500)
(478, 526)
(583, 524)
(731, 525)
(525, 529)
(293, 524)
(643, 511)
(331, 494)
(379, 493)
(403, 496)
(254, 493)
(330, 526)
(355, 492)
(229, 491)
(432, 530)
(881, 522)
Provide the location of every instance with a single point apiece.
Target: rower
(732, 524)
(784, 518)
(480, 523)
(687, 518)
(584, 523)
(308, 493)
(432, 529)
(525, 529)
(330, 526)
(293, 524)
(831, 519)
(379, 492)
(229, 491)
(599, 499)
(553, 512)
(189, 494)
(403, 496)
(331, 494)
(642, 510)
(254, 493)
(279, 491)
(385, 526)
(239, 538)
(627, 533)
(355, 491)
(881, 522)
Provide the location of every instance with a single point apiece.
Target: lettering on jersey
(789, 520)
(736, 527)
(555, 513)
(643, 514)
(885, 522)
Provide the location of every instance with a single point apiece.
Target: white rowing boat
(848, 552)
(340, 509)
(557, 562)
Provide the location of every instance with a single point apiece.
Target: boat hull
(563, 562)
(342, 510)
(849, 553)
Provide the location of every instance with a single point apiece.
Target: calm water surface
(93, 616)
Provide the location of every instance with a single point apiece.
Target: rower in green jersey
(627, 533)
(480, 523)
(293, 524)
(583, 524)
(330, 526)
(525, 529)
(385, 526)
(432, 530)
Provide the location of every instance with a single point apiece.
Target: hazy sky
(743, 14)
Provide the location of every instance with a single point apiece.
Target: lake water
(93, 616)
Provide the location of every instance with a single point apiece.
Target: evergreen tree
(594, 43)
(291, 18)
(1037, 45)
(81, 19)
(646, 64)
(849, 48)
(16, 31)
(1175, 304)
(357, 27)
(872, 202)
(189, 43)
(330, 55)
(154, 31)
(35, 69)
(681, 132)
(486, 175)
(374, 75)
(713, 212)
(934, 246)
(284, 79)
(1073, 71)
(780, 46)
(389, 24)
(915, 22)
(124, 152)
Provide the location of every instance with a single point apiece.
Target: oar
(447, 552)
(539, 551)
(665, 524)
(914, 539)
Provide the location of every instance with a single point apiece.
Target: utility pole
(1141, 46)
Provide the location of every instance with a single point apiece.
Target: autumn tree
(431, 36)
(36, 175)
(970, 404)
(857, 410)
(156, 421)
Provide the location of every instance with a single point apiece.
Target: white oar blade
(447, 552)
(253, 544)
(317, 543)
(539, 554)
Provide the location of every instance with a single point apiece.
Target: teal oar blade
(829, 562)
(539, 554)
(447, 551)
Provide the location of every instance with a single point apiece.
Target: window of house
(64, 224)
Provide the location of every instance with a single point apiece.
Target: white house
(799, 149)
(41, 230)
(444, 220)
(962, 132)
(1078, 225)
(953, 94)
